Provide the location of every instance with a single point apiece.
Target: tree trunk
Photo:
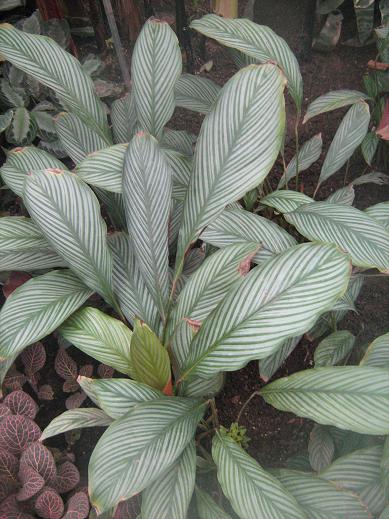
(129, 18)
(54, 9)
(183, 33)
(97, 20)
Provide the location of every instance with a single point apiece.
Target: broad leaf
(380, 213)
(321, 447)
(124, 464)
(207, 508)
(269, 365)
(350, 397)
(31, 260)
(333, 100)
(178, 140)
(196, 93)
(257, 315)
(309, 153)
(76, 419)
(20, 234)
(123, 118)
(285, 200)
(369, 147)
(37, 308)
(352, 230)
(334, 348)
(225, 169)
(377, 354)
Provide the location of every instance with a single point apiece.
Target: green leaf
(350, 397)
(225, 169)
(76, 419)
(22, 129)
(334, 348)
(180, 166)
(253, 492)
(321, 447)
(150, 360)
(44, 60)
(377, 354)
(257, 41)
(286, 200)
(344, 195)
(257, 314)
(45, 124)
(18, 233)
(348, 137)
(147, 198)
(385, 467)
(100, 336)
(169, 496)
(5, 120)
(116, 396)
(30, 260)
(178, 140)
(309, 153)
(156, 66)
(269, 365)
(196, 93)
(369, 147)
(352, 230)
(123, 464)
(380, 213)
(240, 226)
(123, 118)
(207, 508)
(333, 100)
(68, 213)
(37, 308)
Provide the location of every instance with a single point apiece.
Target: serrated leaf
(49, 504)
(349, 397)
(334, 348)
(349, 135)
(76, 419)
(257, 315)
(124, 464)
(352, 230)
(32, 482)
(45, 124)
(123, 118)
(256, 41)
(309, 153)
(100, 336)
(169, 496)
(196, 93)
(253, 492)
(9, 463)
(5, 120)
(22, 129)
(68, 476)
(17, 432)
(321, 448)
(156, 66)
(68, 213)
(380, 213)
(41, 460)
(207, 508)
(285, 200)
(369, 147)
(332, 101)
(45, 302)
(377, 354)
(344, 195)
(19, 402)
(269, 365)
(253, 134)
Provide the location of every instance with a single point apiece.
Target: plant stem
(256, 393)
(346, 172)
(215, 416)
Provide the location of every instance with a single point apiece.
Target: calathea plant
(179, 314)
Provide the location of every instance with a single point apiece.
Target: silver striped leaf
(269, 365)
(43, 59)
(123, 118)
(199, 387)
(20, 234)
(44, 302)
(352, 230)
(253, 492)
(375, 177)
(76, 419)
(31, 260)
(169, 496)
(257, 41)
(277, 300)
(377, 354)
(250, 116)
(147, 197)
(286, 200)
(309, 153)
(335, 348)
(344, 195)
(349, 397)
(196, 93)
(124, 464)
(155, 68)
(207, 507)
(180, 166)
(369, 147)
(332, 101)
(380, 213)
(100, 336)
(178, 140)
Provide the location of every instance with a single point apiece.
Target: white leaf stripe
(196, 93)
(18, 233)
(380, 213)
(180, 166)
(352, 230)
(147, 197)
(238, 144)
(42, 304)
(116, 396)
(377, 354)
(349, 397)
(334, 348)
(68, 214)
(269, 365)
(253, 492)
(240, 226)
(348, 137)
(100, 336)
(285, 200)
(199, 387)
(207, 508)
(31, 260)
(76, 419)
(278, 299)
(123, 118)
(344, 195)
(124, 464)
(333, 100)
(257, 41)
(178, 140)
(170, 495)
(156, 66)
(309, 153)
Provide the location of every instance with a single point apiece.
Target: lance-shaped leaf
(239, 226)
(253, 492)
(116, 396)
(124, 464)
(76, 419)
(207, 508)
(380, 213)
(334, 348)
(348, 137)
(37, 308)
(352, 230)
(147, 196)
(321, 499)
(180, 166)
(150, 360)
(269, 365)
(178, 140)
(349, 397)
(321, 447)
(259, 313)
(344, 195)
(156, 66)
(169, 496)
(20, 234)
(196, 93)
(68, 214)
(31, 260)
(123, 118)
(257, 41)
(309, 152)
(250, 114)
(43, 59)
(369, 147)
(102, 337)
(333, 100)
(285, 200)
(377, 354)
(21, 161)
